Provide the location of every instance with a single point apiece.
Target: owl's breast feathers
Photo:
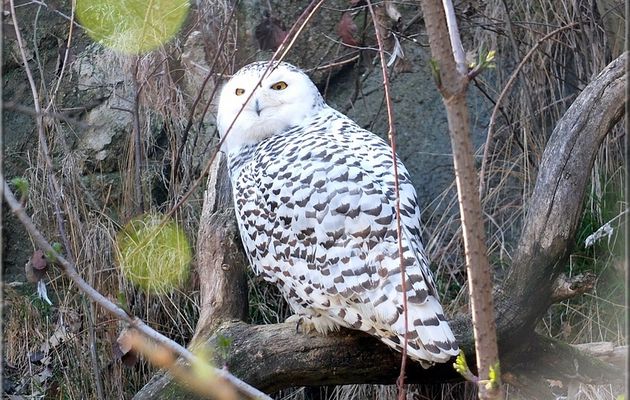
(316, 207)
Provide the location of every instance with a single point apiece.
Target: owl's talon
(302, 320)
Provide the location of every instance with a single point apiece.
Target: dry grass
(543, 92)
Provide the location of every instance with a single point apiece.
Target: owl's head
(284, 98)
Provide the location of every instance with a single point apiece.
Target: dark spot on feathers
(319, 207)
(386, 220)
(431, 322)
(353, 213)
(432, 348)
(418, 297)
(445, 345)
(342, 209)
(380, 300)
(374, 211)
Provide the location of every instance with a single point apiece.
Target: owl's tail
(429, 338)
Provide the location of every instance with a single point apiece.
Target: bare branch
(606, 351)
(391, 134)
(567, 288)
(275, 357)
(459, 55)
(70, 270)
(555, 207)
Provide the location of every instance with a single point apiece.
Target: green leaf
(460, 365)
(122, 299)
(494, 377)
(50, 255)
(435, 71)
(223, 345)
(21, 185)
(57, 247)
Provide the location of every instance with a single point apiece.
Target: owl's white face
(285, 98)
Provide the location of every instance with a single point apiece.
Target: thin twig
(453, 89)
(391, 134)
(456, 42)
(138, 196)
(96, 369)
(222, 40)
(64, 62)
(54, 187)
(12, 106)
(504, 92)
(70, 270)
(278, 56)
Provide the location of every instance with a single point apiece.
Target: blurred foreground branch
(70, 270)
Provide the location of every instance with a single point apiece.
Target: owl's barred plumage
(315, 202)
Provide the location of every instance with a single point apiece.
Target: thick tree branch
(223, 282)
(555, 207)
(274, 357)
(567, 288)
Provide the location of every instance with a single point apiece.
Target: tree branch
(555, 207)
(453, 88)
(567, 288)
(274, 357)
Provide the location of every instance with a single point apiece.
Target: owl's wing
(321, 223)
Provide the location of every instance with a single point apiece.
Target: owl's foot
(309, 323)
(305, 322)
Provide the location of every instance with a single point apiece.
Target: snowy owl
(316, 209)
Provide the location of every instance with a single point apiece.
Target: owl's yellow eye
(279, 85)
(239, 91)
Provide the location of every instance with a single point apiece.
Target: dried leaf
(38, 260)
(32, 275)
(36, 357)
(36, 267)
(123, 350)
(42, 292)
(347, 29)
(270, 32)
(387, 19)
(392, 12)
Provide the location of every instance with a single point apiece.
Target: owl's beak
(257, 107)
